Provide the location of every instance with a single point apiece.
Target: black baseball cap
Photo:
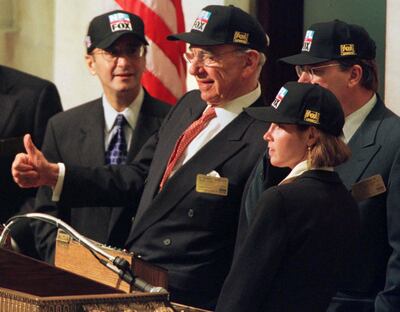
(303, 104)
(218, 24)
(106, 28)
(333, 40)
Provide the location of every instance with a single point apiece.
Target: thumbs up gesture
(31, 169)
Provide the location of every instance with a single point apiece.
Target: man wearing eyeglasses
(341, 57)
(191, 174)
(108, 130)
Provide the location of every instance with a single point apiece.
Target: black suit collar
(91, 136)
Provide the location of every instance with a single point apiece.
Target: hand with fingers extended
(32, 169)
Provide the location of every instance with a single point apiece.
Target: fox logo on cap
(201, 21)
(120, 21)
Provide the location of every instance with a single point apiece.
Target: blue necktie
(117, 150)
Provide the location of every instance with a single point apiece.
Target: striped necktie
(190, 133)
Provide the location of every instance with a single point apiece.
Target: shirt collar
(300, 168)
(130, 113)
(355, 119)
(235, 107)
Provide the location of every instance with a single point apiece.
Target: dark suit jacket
(76, 137)
(26, 103)
(188, 232)
(375, 150)
(295, 249)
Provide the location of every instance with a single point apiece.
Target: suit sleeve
(48, 104)
(389, 299)
(45, 234)
(257, 261)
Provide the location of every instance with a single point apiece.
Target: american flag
(165, 75)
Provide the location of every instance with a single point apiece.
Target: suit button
(167, 242)
(191, 213)
(133, 219)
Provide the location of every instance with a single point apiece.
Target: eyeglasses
(131, 52)
(312, 71)
(206, 58)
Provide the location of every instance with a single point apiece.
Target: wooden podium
(72, 256)
(30, 285)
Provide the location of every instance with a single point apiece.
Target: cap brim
(302, 59)
(196, 38)
(269, 114)
(107, 42)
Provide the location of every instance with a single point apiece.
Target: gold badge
(212, 185)
(368, 188)
(311, 116)
(347, 49)
(241, 37)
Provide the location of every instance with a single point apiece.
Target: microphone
(117, 264)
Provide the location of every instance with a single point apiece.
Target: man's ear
(91, 63)
(252, 60)
(356, 73)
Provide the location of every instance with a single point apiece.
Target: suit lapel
(146, 125)
(91, 137)
(167, 145)
(7, 106)
(363, 147)
(228, 142)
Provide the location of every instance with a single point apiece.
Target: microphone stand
(117, 264)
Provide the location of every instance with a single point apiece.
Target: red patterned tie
(184, 140)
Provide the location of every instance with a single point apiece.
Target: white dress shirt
(225, 114)
(355, 119)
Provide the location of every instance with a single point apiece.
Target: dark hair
(369, 78)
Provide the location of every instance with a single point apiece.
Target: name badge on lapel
(212, 185)
(368, 188)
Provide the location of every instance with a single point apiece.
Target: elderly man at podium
(190, 176)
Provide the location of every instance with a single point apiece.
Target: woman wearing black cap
(297, 246)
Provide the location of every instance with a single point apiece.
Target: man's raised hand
(31, 169)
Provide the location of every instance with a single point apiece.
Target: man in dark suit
(82, 135)
(26, 104)
(341, 57)
(190, 181)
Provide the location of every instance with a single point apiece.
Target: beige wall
(392, 65)
(45, 38)
(26, 38)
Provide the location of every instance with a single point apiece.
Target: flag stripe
(166, 69)
(162, 91)
(157, 31)
(166, 10)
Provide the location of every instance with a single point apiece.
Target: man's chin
(211, 99)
